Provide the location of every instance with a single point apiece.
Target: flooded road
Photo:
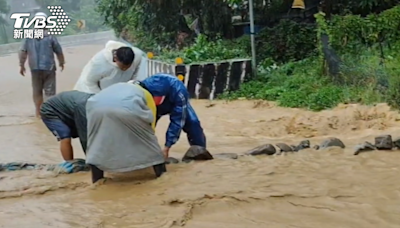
(310, 189)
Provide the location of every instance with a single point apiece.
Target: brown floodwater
(328, 188)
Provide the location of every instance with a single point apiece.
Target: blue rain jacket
(176, 104)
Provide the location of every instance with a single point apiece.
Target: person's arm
(58, 50)
(67, 151)
(95, 70)
(177, 118)
(94, 75)
(23, 53)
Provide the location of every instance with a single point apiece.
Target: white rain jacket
(101, 72)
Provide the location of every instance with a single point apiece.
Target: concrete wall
(90, 38)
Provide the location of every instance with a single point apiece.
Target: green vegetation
(370, 51)
(301, 84)
(203, 50)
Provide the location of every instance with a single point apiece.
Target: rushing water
(329, 189)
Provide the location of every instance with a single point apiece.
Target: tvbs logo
(41, 22)
(24, 27)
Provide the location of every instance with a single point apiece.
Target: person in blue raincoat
(172, 97)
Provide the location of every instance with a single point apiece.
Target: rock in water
(172, 160)
(302, 145)
(316, 147)
(284, 147)
(384, 142)
(396, 143)
(197, 153)
(226, 156)
(330, 142)
(366, 146)
(267, 149)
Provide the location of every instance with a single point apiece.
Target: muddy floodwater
(311, 189)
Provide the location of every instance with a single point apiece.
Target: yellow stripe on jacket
(151, 104)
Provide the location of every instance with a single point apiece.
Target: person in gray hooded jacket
(40, 55)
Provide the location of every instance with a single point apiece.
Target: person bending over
(115, 63)
(172, 98)
(65, 116)
(121, 131)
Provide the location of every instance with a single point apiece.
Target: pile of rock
(194, 153)
(269, 149)
(383, 142)
(197, 153)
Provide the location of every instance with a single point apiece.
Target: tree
(160, 21)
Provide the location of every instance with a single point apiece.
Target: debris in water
(267, 149)
(396, 143)
(284, 148)
(366, 146)
(330, 142)
(305, 144)
(384, 142)
(197, 153)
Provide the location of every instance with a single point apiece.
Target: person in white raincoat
(115, 63)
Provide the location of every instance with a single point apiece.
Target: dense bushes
(352, 32)
(300, 84)
(370, 51)
(291, 41)
(287, 41)
(212, 51)
(160, 23)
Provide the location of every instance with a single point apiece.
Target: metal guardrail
(207, 80)
(204, 80)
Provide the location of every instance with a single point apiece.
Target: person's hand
(22, 70)
(166, 152)
(62, 67)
